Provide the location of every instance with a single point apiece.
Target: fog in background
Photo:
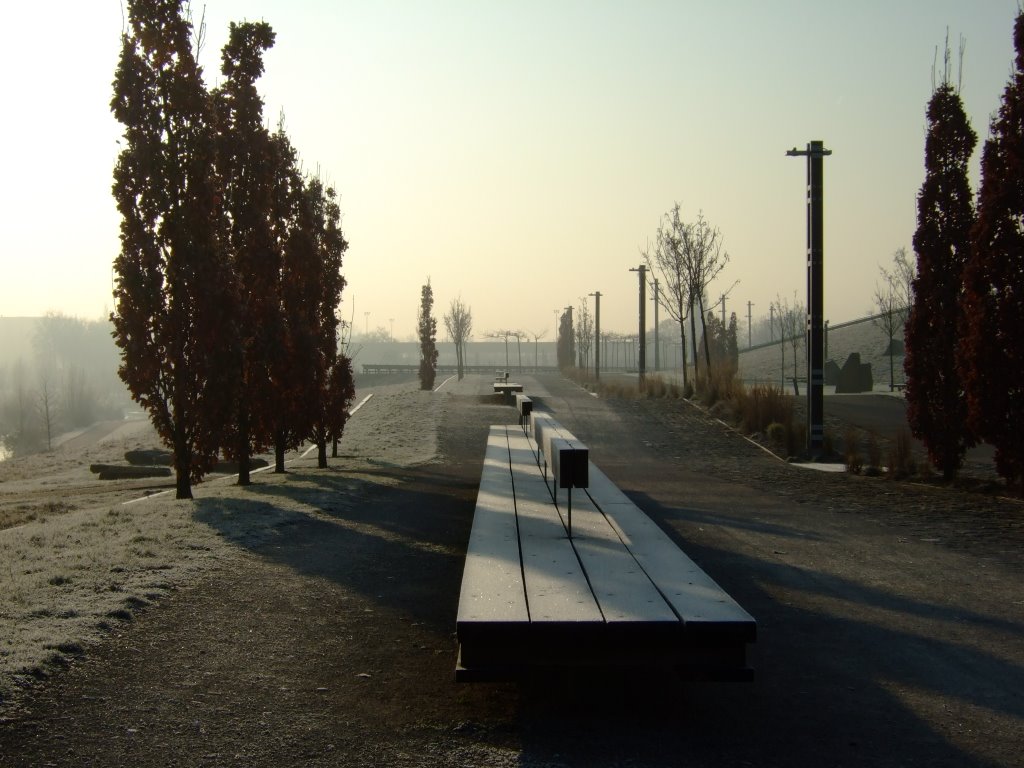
(521, 155)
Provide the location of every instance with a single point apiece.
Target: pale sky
(521, 154)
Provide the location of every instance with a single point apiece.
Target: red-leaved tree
(174, 299)
(245, 163)
(992, 345)
(936, 404)
(286, 385)
(331, 393)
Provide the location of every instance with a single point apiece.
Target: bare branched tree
(893, 298)
(459, 324)
(792, 319)
(689, 257)
(519, 337)
(584, 334)
(46, 408)
(667, 259)
(536, 339)
(505, 334)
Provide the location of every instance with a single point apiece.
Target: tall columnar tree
(286, 386)
(332, 393)
(341, 392)
(732, 344)
(247, 169)
(174, 294)
(566, 347)
(427, 327)
(936, 403)
(992, 345)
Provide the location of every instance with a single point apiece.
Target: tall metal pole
(750, 306)
(572, 338)
(815, 154)
(597, 334)
(642, 341)
(657, 348)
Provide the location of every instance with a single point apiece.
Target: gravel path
(891, 620)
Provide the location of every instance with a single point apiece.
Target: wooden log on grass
(127, 471)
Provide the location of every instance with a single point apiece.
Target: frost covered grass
(72, 571)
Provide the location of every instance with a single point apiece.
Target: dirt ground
(890, 617)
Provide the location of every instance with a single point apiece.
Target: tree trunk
(182, 466)
(183, 485)
(892, 375)
(243, 446)
(693, 342)
(334, 448)
(684, 353)
(279, 448)
(704, 331)
(782, 370)
(321, 454)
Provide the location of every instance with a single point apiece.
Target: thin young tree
(666, 257)
(504, 334)
(537, 336)
(991, 353)
(584, 334)
(791, 320)
(174, 291)
(459, 324)
(892, 301)
(936, 402)
(427, 329)
(46, 407)
(705, 257)
(244, 155)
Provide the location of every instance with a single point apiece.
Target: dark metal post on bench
(525, 407)
(570, 461)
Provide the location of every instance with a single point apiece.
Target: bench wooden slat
(556, 587)
(492, 581)
(701, 603)
(622, 588)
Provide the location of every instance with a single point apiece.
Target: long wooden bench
(506, 388)
(617, 592)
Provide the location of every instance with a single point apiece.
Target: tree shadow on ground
(829, 689)
(396, 538)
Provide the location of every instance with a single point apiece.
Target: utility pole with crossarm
(815, 154)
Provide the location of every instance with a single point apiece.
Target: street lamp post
(815, 153)
(597, 334)
(642, 341)
(657, 348)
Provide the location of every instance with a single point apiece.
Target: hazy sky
(521, 154)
